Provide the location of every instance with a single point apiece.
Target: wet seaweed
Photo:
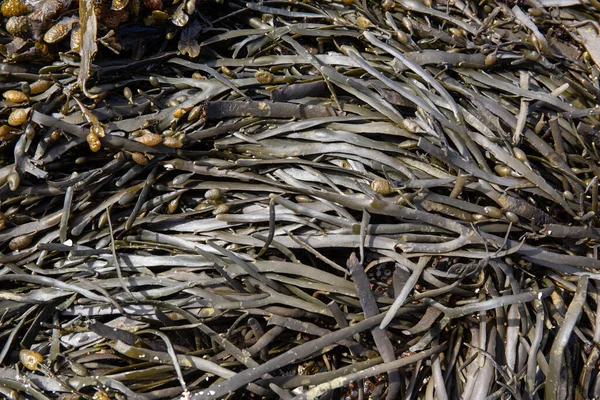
(297, 200)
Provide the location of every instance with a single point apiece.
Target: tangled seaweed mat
(302, 200)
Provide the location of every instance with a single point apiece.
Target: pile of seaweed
(299, 200)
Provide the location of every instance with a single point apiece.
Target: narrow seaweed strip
(369, 306)
(263, 342)
(417, 69)
(363, 232)
(438, 379)
(317, 254)
(142, 197)
(172, 354)
(115, 258)
(309, 212)
(274, 243)
(271, 229)
(23, 388)
(406, 289)
(560, 342)
(221, 341)
(15, 331)
(66, 212)
(353, 54)
(165, 358)
(291, 382)
(371, 371)
(536, 341)
(249, 268)
(523, 297)
(51, 282)
(301, 351)
(523, 110)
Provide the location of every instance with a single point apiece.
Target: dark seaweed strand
(299, 352)
(371, 371)
(553, 379)
(225, 138)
